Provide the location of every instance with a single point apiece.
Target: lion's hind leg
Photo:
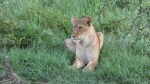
(101, 38)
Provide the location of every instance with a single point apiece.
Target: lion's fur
(85, 42)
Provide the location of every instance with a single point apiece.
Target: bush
(31, 25)
(46, 21)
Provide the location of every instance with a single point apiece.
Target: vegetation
(32, 34)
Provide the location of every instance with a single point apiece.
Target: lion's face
(80, 28)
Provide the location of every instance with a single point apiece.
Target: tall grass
(32, 33)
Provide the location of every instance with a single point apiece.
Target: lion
(86, 43)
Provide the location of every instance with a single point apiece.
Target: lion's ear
(88, 20)
(74, 20)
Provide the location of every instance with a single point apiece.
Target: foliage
(24, 22)
(29, 23)
(32, 33)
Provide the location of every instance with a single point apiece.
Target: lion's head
(81, 27)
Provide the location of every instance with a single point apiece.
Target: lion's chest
(83, 52)
(87, 49)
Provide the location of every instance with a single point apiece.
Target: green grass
(32, 34)
(117, 64)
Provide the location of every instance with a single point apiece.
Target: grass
(33, 34)
(117, 64)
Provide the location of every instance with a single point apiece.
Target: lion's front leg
(79, 63)
(80, 54)
(91, 66)
(70, 44)
(92, 55)
(72, 47)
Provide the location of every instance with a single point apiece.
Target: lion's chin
(76, 40)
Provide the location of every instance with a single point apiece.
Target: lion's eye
(80, 28)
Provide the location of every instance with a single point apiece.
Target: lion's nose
(73, 36)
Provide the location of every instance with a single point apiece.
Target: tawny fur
(86, 43)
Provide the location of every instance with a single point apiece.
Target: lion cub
(85, 42)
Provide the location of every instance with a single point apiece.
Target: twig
(11, 75)
(3, 77)
(6, 81)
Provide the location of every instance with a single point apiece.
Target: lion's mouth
(76, 40)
